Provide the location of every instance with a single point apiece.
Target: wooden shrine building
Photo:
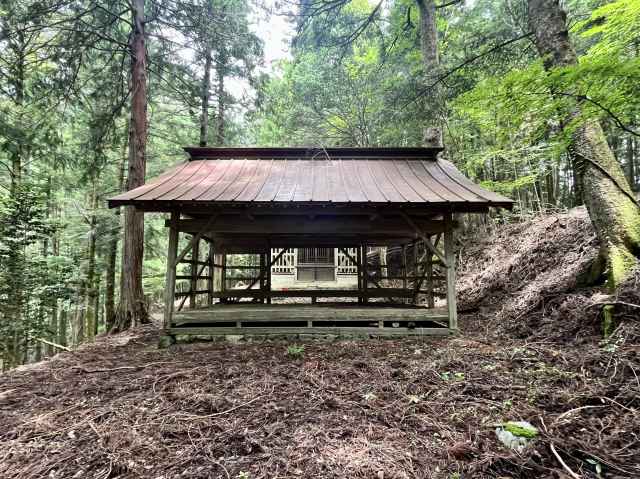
(235, 213)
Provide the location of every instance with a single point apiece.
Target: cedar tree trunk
(206, 86)
(220, 71)
(132, 308)
(613, 210)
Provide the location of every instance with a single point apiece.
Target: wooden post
(223, 276)
(429, 276)
(359, 267)
(404, 270)
(211, 274)
(195, 257)
(262, 275)
(365, 273)
(451, 272)
(269, 266)
(170, 281)
(416, 271)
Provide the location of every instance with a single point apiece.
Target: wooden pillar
(223, 275)
(365, 273)
(429, 276)
(404, 270)
(193, 287)
(268, 258)
(262, 276)
(170, 279)
(212, 269)
(359, 268)
(451, 272)
(415, 271)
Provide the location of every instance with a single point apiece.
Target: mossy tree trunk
(612, 208)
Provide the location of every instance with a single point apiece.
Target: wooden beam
(213, 331)
(203, 229)
(322, 225)
(170, 279)
(421, 233)
(319, 293)
(204, 264)
(451, 273)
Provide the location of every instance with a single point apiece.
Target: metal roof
(316, 176)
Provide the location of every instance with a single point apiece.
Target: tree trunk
(62, 327)
(53, 321)
(631, 165)
(110, 281)
(220, 71)
(431, 64)
(90, 298)
(132, 307)
(206, 87)
(613, 210)
(77, 324)
(96, 307)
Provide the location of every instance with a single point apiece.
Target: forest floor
(530, 349)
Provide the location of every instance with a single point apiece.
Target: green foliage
(517, 429)
(28, 282)
(295, 351)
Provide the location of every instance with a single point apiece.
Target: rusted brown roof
(287, 176)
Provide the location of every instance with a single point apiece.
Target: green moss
(165, 341)
(629, 213)
(520, 430)
(621, 263)
(608, 324)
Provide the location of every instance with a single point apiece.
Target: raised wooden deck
(376, 319)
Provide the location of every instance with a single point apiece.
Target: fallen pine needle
(189, 417)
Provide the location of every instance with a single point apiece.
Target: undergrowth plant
(295, 351)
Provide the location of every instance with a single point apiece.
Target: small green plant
(448, 376)
(295, 351)
(243, 475)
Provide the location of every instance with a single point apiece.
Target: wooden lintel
(316, 225)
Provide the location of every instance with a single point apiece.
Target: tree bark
(631, 165)
(612, 208)
(220, 73)
(206, 87)
(62, 327)
(431, 64)
(90, 298)
(132, 307)
(110, 281)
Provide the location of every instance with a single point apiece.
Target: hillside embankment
(530, 349)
